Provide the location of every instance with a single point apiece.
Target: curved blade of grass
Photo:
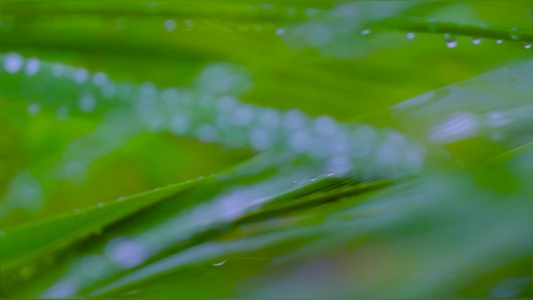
(24, 243)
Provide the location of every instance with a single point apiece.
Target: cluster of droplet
(210, 111)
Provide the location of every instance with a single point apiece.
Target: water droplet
(366, 31)
(57, 70)
(499, 41)
(100, 204)
(476, 41)
(260, 139)
(100, 79)
(33, 66)
(169, 25)
(325, 126)
(188, 23)
(126, 253)
(294, 119)
(242, 116)
(87, 103)
(80, 75)
(220, 263)
(527, 46)
(180, 124)
(207, 133)
(34, 109)
(451, 43)
(280, 31)
(121, 198)
(410, 35)
(13, 62)
(329, 174)
(312, 179)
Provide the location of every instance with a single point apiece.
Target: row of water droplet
(450, 41)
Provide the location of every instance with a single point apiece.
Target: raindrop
(269, 119)
(57, 70)
(410, 35)
(87, 103)
(121, 198)
(126, 253)
(100, 79)
(108, 90)
(300, 141)
(32, 67)
(280, 31)
(260, 139)
(476, 41)
(513, 35)
(206, 133)
(220, 263)
(499, 41)
(242, 116)
(34, 109)
(80, 75)
(313, 179)
(325, 126)
(13, 62)
(180, 124)
(294, 119)
(329, 174)
(366, 31)
(169, 25)
(527, 46)
(226, 103)
(451, 43)
(188, 23)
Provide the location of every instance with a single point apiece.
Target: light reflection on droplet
(476, 41)
(410, 35)
(451, 43)
(220, 263)
(366, 31)
(499, 41)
